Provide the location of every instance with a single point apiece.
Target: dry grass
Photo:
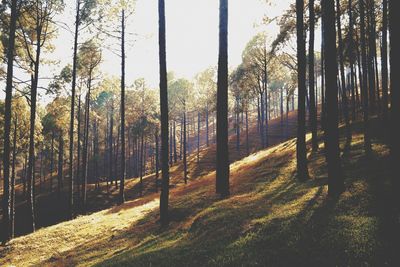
(269, 219)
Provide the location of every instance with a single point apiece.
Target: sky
(192, 38)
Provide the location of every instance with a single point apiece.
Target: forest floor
(269, 219)
(52, 207)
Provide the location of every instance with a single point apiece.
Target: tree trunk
(302, 170)
(384, 62)
(111, 144)
(335, 177)
(342, 76)
(395, 100)
(207, 127)
(164, 218)
(123, 163)
(60, 163)
(7, 125)
(71, 124)
(184, 145)
(247, 132)
(237, 128)
(367, 141)
(141, 159)
(222, 180)
(78, 165)
(311, 78)
(174, 142)
(351, 59)
(157, 160)
(31, 157)
(85, 147)
(198, 137)
(14, 157)
(52, 159)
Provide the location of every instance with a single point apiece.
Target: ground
(269, 219)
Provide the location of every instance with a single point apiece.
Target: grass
(269, 219)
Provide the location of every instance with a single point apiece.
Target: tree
(364, 85)
(311, 78)
(123, 162)
(89, 58)
(164, 218)
(384, 54)
(395, 101)
(180, 95)
(83, 17)
(7, 125)
(342, 76)
(335, 176)
(222, 181)
(302, 169)
(36, 22)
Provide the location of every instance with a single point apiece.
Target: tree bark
(301, 151)
(342, 76)
(71, 124)
(123, 163)
(7, 125)
(222, 172)
(12, 204)
(384, 52)
(164, 218)
(367, 141)
(311, 78)
(335, 176)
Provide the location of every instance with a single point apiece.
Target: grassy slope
(269, 219)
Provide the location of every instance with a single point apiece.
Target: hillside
(269, 219)
(51, 207)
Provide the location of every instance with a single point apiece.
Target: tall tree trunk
(384, 62)
(123, 163)
(237, 128)
(370, 55)
(141, 158)
(14, 160)
(157, 159)
(198, 137)
(302, 169)
(60, 163)
(247, 131)
(52, 159)
(181, 141)
(7, 125)
(71, 124)
(111, 144)
(262, 114)
(222, 179)
(31, 157)
(323, 103)
(85, 147)
(342, 76)
(78, 165)
(207, 127)
(335, 176)
(174, 142)
(351, 59)
(311, 78)
(184, 145)
(367, 141)
(164, 218)
(395, 99)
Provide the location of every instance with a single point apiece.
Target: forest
(199, 133)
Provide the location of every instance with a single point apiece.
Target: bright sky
(192, 37)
